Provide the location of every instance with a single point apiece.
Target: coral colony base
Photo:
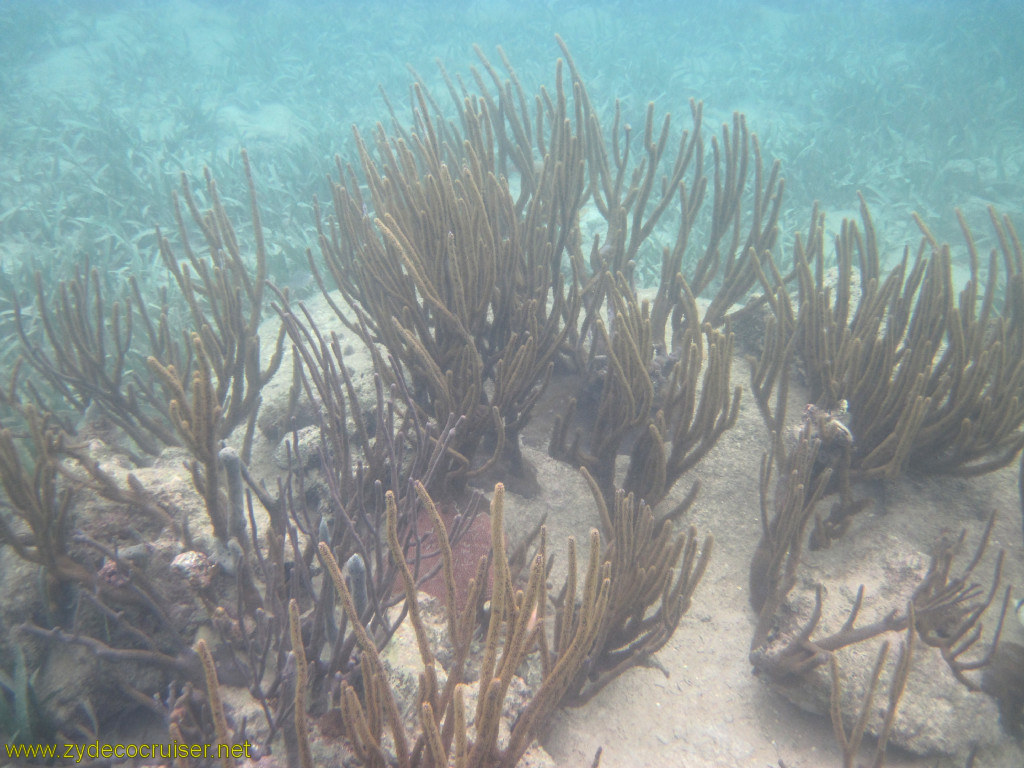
(478, 267)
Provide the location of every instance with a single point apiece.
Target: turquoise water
(103, 104)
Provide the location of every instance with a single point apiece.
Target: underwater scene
(496, 383)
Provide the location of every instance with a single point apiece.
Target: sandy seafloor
(707, 708)
(700, 705)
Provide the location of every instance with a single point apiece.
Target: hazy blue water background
(103, 104)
